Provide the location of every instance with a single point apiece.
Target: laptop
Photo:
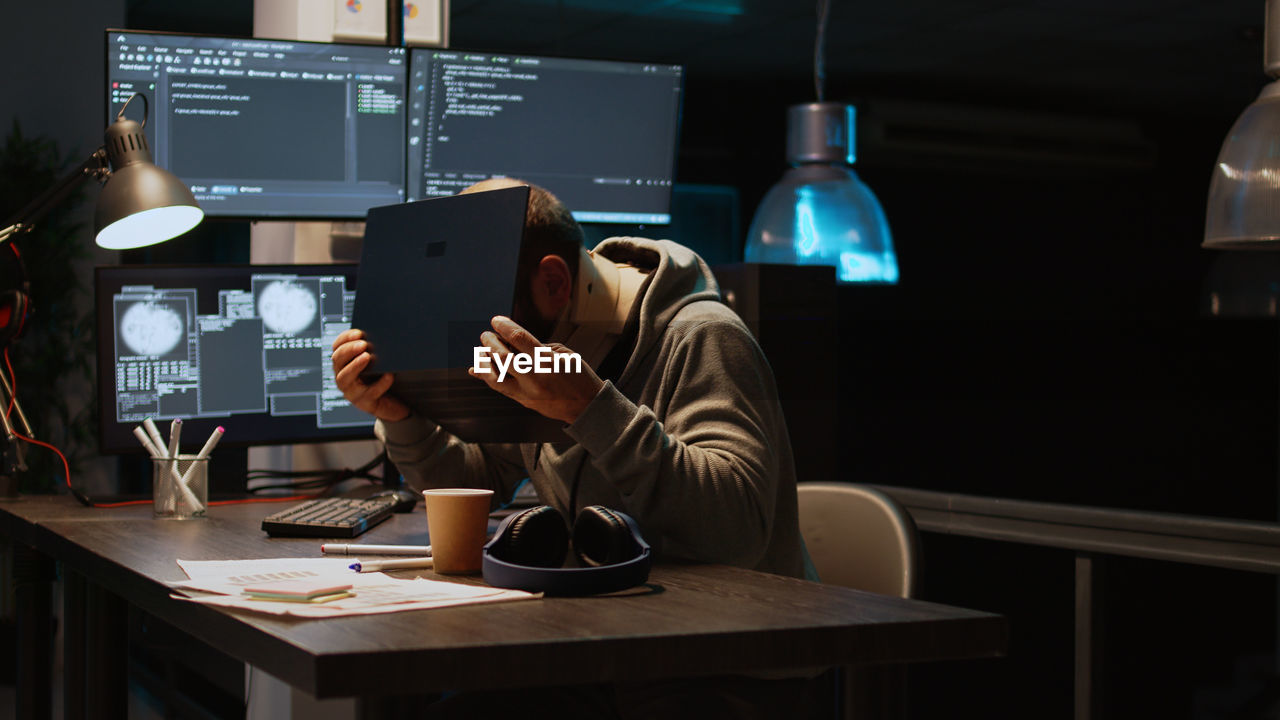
(432, 274)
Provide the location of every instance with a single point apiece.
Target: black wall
(1048, 341)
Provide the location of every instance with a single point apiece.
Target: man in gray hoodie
(674, 420)
(674, 417)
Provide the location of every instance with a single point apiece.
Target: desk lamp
(140, 203)
(820, 212)
(1243, 211)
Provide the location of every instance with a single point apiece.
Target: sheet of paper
(221, 583)
(338, 608)
(230, 577)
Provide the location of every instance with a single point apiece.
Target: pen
(376, 565)
(209, 445)
(175, 432)
(345, 549)
(154, 434)
(147, 445)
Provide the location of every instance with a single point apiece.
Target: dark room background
(1053, 335)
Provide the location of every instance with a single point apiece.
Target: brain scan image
(287, 307)
(151, 329)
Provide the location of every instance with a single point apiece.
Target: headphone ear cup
(602, 537)
(14, 306)
(537, 537)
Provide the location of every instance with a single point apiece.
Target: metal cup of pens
(180, 483)
(180, 486)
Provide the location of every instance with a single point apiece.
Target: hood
(678, 276)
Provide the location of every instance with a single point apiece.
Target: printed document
(222, 583)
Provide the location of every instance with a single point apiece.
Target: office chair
(859, 537)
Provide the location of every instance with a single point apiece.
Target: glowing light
(806, 233)
(149, 227)
(1270, 177)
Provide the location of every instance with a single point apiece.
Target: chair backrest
(859, 537)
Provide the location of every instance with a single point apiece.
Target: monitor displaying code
(600, 135)
(268, 128)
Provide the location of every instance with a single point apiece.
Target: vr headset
(529, 548)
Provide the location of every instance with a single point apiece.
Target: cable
(84, 499)
(66, 468)
(309, 479)
(819, 50)
(246, 501)
(13, 381)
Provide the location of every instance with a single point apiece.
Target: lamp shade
(141, 204)
(820, 212)
(1243, 210)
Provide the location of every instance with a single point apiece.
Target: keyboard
(334, 517)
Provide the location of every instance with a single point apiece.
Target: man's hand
(559, 395)
(350, 358)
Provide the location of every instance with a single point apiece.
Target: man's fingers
(348, 374)
(495, 345)
(366, 397)
(490, 379)
(347, 336)
(346, 352)
(515, 336)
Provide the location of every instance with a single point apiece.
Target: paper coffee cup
(457, 520)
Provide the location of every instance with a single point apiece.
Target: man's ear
(553, 283)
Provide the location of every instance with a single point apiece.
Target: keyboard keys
(328, 517)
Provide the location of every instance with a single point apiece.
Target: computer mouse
(405, 500)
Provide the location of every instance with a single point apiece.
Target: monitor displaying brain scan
(246, 347)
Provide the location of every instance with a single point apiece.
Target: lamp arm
(95, 166)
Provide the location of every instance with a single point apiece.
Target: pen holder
(180, 486)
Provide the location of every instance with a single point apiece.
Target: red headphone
(15, 305)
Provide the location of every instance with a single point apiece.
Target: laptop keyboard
(328, 517)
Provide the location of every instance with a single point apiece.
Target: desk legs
(96, 651)
(73, 662)
(33, 576)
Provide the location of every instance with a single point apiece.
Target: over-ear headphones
(15, 298)
(527, 551)
(14, 306)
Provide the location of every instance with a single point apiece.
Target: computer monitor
(268, 128)
(601, 135)
(242, 346)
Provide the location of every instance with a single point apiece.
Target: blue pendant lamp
(820, 212)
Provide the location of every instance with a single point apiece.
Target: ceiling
(1202, 57)
(1193, 54)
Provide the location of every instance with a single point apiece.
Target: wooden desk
(698, 620)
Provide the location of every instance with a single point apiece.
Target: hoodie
(689, 439)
